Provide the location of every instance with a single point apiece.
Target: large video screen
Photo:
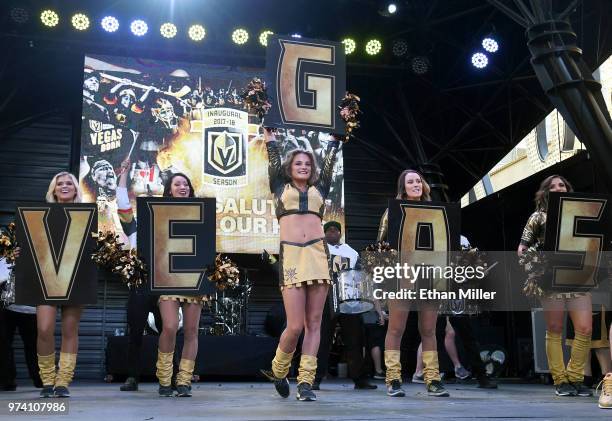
(168, 117)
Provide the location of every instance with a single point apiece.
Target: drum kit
(353, 293)
(228, 309)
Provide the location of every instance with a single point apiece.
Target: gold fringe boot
(164, 372)
(46, 369)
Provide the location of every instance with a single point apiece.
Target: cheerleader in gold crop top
(410, 186)
(304, 267)
(568, 380)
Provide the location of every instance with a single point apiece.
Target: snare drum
(354, 292)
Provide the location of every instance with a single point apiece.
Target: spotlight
(19, 15)
(349, 45)
(479, 60)
(168, 30)
(240, 36)
(400, 47)
(296, 35)
(80, 22)
(110, 24)
(373, 47)
(139, 27)
(197, 32)
(263, 37)
(420, 65)
(49, 18)
(490, 45)
(392, 8)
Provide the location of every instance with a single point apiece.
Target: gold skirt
(189, 299)
(304, 263)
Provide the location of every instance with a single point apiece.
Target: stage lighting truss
(263, 37)
(240, 36)
(400, 47)
(139, 27)
(479, 60)
(80, 22)
(110, 24)
(196, 32)
(490, 45)
(19, 15)
(373, 47)
(49, 18)
(349, 45)
(168, 30)
(420, 65)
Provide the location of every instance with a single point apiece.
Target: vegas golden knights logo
(423, 230)
(167, 246)
(225, 147)
(57, 262)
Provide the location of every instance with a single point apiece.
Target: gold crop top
(534, 229)
(287, 198)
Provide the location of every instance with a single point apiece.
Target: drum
(354, 292)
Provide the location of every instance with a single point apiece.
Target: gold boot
(164, 372)
(46, 368)
(183, 378)
(581, 346)
(431, 374)
(65, 373)
(554, 355)
(394, 366)
(281, 363)
(305, 378)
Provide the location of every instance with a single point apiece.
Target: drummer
(343, 257)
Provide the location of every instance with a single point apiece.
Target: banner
(306, 83)
(55, 265)
(578, 230)
(182, 117)
(176, 238)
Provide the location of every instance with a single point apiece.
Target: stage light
(392, 8)
(263, 37)
(373, 47)
(349, 45)
(490, 45)
(420, 65)
(240, 36)
(296, 35)
(400, 47)
(197, 32)
(19, 15)
(49, 18)
(80, 22)
(168, 30)
(110, 24)
(479, 60)
(139, 27)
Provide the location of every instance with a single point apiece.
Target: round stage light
(349, 45)
(490, 45)
(240, 36)
(400, 47)
(479, 60)
(373, 47)
(197, 32)
(263, 37)
(420, 65)
(110, 24)
(49, 18)
(80, 22)
(168, 30)
(392, 8)
(139, 27)
(19, 15)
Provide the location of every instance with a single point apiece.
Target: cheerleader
(64, 188)
(411, 186)
(305, 272)
(568, 380)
